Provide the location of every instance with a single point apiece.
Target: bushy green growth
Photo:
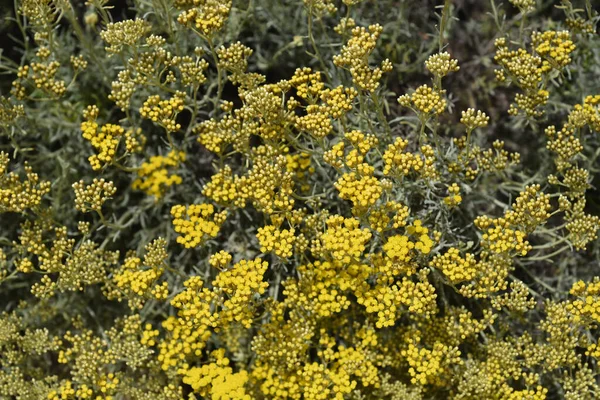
(299, 199)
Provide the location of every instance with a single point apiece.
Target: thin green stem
(588, 8)
(213, 53)
(495, 15)
(443, 23)
(363, 112)
(549, 256)
(194, 110)
(522, 29)
(107, 223)
(422, 131)
(311, 37)
(124, 168)
(468, 149)
(21, 27)
(87, 44)
(549, 244)
(106, 18)
(382, 117)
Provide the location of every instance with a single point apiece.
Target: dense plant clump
(299, 199)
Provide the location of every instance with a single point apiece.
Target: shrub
(299, 200)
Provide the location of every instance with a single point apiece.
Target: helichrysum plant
(302, 199)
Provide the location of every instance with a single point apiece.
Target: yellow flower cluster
(528, 70)
(455, 267)
(424, 101)
(279, 241)
(300, 165)
(117, 35)
(199, 309)
(92, 197)
(555, 48)
(520, 64)
(234, 59)
(385, 300)
(220, 260)
(458, 325)
(262, 109)
(196, 223)
(343, 240)
(351, 362)
(335, 155)
(344, 27)
(361, 142)
(9, 113)
(492, 273)
(131, 278)
(399, 162)
(379, 217)
(346, 367)
(454, 198)
(578, 24)
(525, 6)
(508, 234)
(319, 8)
(576, 180)
(582, 227)
(337, 101)
(362, 191)
(17, 195)
(530, 209)
(153, 175)
(539, 393)
(474, 119)
(190, 330)
(320, 290)
(424, 242)
(222, 188)
(315, 122)
(267, 184)
(79, 63)
(217, 379)
(430, 170)
(92, 357)
(308, 84)
(587, 306)
(427, 366)
(441, 64)
(516, 300)
(164, 112)
(104, 141)
(25, 265)
(355, 54)
(39, 12)
(191, 69)
(496, 158)
(398, 248)
(323, 104)
(238, 286)
(138, 281)
(593, 350)
(359, 185)
(566, 145)
(502, 239)
(42, 77)
(87, 265)
(208, 17)
(293, 336)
